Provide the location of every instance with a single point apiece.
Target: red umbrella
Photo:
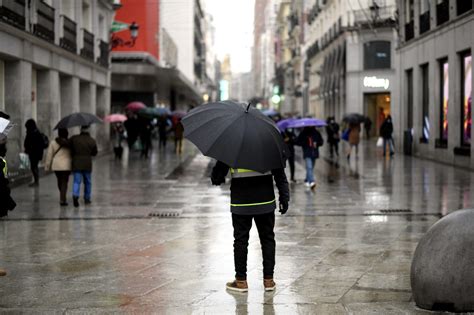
(135, 106)
(115, 118)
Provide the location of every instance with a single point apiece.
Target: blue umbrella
(307, 122)
(283, 124)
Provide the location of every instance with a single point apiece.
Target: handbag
(24, 161)
(379, 142)
(345, 134)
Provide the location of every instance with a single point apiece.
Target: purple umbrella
(283, 124)
(307, 122)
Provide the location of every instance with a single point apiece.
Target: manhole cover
(395, 211)
(164, 214)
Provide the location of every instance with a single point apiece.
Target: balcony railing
(68, 40)
(463, 6)
(409, 30)
(103, 59)
(44, 27)
(442, 12)
(87, 50)
(425, 22)
(382, 14)
(13, 12)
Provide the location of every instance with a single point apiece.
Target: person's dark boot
(87, 201)
(75, 201)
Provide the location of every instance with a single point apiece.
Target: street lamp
(119, 42)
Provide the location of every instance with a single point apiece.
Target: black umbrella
(353, 118)
(236, 134)
(78, 119)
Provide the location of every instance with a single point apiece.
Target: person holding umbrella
(83, 148)
(310, 140)
(332, 130)
(254, 153)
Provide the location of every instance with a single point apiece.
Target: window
(444, 100)
(409, 10)
(425, 103)
(2, 85)
(377, 55)
(424, 6)
(409, 100)
(466, 98)
(86, 16)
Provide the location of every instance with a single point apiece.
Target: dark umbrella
(154, 112)
(78, 119)
(237, 135)
(353, 118)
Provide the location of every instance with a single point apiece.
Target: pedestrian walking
(145, 136)
(253, 199)
(35, 143)
(133, 129)
(162, 131)
(332, 131)
(310, 140)
(367, 126)
(178, 137)
(119, 137)
(58, 160)
(6, 201)
(290, 138)
(354, 139)
(83, 148)
(386, 131)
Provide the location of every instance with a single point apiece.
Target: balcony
(409, 30)
(103, 59)
(87, 50)
(425, 22)
(13, 12)
(44, 27)
(463, 6)
(442, 12)
(68, 40)
(383, 16)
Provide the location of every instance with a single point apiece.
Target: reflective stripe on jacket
(242, 172)
(5, 168)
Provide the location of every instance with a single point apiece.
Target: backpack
(45, 140)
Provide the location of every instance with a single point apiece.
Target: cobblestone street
(158, 239)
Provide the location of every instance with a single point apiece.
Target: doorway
(377, 108)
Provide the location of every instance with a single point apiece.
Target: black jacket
(83, 148)
(6, 201)
(253, 190)
(386, 129)
(310, 140)
(34, 145)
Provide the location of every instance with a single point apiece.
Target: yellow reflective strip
(5, 169)
(252, 204)
(240, 170)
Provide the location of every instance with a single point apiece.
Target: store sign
(374, 82)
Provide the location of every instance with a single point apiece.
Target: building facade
(433, 114)
(54, 61)
(159, 64)
(349, 61)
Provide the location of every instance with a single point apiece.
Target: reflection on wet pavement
(337, 252)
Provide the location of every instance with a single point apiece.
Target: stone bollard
(442, 270)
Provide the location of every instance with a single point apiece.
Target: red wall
(146, 14)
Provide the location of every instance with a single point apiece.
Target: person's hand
(283, 207)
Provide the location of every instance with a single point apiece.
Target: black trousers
(291, 163)
(63, 178)
(34, 168)
(242, 225)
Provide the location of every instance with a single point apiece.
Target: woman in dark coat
(289, 137)
(34, 147)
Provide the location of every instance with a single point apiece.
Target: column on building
(48, 100)
(102, 110)
(69, 95)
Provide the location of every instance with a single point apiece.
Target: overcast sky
(233, 20)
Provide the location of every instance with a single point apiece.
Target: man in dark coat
(34, 147)
(310, 140)
(332, 130)
(386, 130)
(83, 148)
(253, 198)
(290, 138)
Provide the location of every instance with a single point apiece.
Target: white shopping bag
(379, 142)
(24, 161)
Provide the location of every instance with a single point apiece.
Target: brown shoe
(3, 272)
(269, 284)
(238, 286)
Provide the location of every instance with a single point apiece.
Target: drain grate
(395, 211)
(164, 214)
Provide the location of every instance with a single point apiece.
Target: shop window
(444, 103)
(425, 136)
(466, 98)
(377, 55)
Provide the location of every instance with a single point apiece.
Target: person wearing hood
(34, 146)
(386, 130)
(58, 160)
(83, 148)
(310, 141)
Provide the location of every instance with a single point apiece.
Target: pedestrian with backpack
(35, 144)
(58, 159)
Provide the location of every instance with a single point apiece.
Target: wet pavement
(158, 239)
